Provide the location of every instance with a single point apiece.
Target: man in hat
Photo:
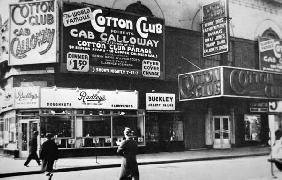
(33, 150)
(128, 150)
(48, 154)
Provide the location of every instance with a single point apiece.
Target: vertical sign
(32, 33)
(215, 28)
(270, 54)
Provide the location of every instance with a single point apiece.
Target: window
(61, 127)
(252, 128)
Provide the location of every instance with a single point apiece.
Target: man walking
(128, 150)
(48, 154)
(33, 150)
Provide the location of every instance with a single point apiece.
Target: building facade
(85, 70)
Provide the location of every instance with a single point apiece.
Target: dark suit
(32, 151)
(129, 166)
(48, 154)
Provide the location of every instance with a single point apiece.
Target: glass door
(221, 125)
(27, 127)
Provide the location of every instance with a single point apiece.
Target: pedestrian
(128, 150)
(48, 154)
(33, 150)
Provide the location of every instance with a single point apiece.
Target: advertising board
(99, 40)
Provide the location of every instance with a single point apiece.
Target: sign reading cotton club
(112, 42)
(230, 82)
(33, 33)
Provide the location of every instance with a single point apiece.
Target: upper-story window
(270, 33)
(139, 8)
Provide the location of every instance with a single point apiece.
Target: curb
(142, 163)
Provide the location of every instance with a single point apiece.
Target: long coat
(129, 166)
(48, 154)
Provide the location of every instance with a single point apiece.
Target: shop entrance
(221, 129)
(26, 129)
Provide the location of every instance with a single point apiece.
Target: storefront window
(131, 120)
(61, 127)
(96, 131)
(252, 128)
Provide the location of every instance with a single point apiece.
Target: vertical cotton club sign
(33, 33)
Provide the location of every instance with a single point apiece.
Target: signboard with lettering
(33, 33)
(88, 98)
(27, 97)
(275, 106)
(215, 28)
(230, 82)
(259, 107)
(252, 83)
(200, 84)
(160, 101)
(270, 54)
(106, 41)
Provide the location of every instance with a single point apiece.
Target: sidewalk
(15, 167)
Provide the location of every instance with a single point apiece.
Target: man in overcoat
(32, 150)
(128, 151)
(48, 154)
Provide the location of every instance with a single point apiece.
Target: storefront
(80, 119)
(226, 106)
(164, 127)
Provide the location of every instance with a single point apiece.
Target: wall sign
(215, 28)
(107, 41)
(33, 33)
(230, 82)
(27, 97)
(160, 101)
(270, 54)
(259, 107)
(88, 98)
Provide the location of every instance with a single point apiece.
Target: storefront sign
(26, 97)
(230, 82)
(275, 106)
(88, 98)
(200, 84)
(252, 83)
(259, 107)
(57, 98)
(33, 33)
(215, 28)
(8, 100)
(106, 41)
(160, 101)
(270, 54)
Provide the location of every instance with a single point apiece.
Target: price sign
(77, 62)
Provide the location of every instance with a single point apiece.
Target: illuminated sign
(230, 82)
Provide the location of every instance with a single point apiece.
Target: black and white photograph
(141, 89)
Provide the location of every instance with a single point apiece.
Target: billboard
(32, 33)
(215, 28)
(270, 54)
(230, 82)
(99, 40)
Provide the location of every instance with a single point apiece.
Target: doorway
(26, 129)
(221, 131)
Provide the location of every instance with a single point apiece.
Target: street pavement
(15, 167)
